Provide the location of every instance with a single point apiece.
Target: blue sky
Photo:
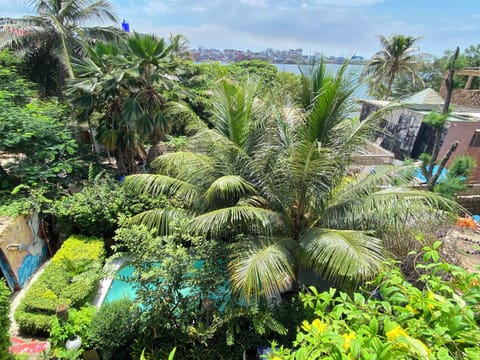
(333, 27)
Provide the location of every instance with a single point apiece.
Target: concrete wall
(22, 249)
(462, 131)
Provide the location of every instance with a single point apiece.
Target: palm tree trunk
(449, 81)
(154, 152)
(126, 164)
(434, 179)
(389, 85)
(3, 172)
(435, 151)
(60, 80)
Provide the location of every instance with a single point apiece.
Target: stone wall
(400, 132)
(463, 97)
(367, 109)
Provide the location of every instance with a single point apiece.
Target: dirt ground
(462, 247)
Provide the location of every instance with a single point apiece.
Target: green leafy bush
(114, 327)
(78, 323)
(93, 211)
(4, 320)
(71, 279)
(33, 130)
(393, 319)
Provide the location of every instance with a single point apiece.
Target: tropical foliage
(121, 90)
(393, 319)
(4, 320)
(200, 317)
(56, 30)
(397, 57)
(460, 169)
(271, 181)
(71, 279)
(41, 145)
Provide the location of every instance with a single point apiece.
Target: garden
(223, 196)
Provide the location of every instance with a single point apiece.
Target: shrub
(93, 211)
(4, 320)
(78, 323)
(393, 319)
(71, 278)
(113, 328)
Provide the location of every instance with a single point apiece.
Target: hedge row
(4, 320)
(71, 279)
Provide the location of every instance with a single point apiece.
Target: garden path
(22, 344)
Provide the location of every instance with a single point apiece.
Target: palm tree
(146, 107)
(57, 28)
(123, 85)
(98, 93)
(397, 57)
(271, 181)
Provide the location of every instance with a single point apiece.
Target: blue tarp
(419, 175)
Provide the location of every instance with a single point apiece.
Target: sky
(331, 27)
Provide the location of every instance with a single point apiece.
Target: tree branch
(444, 161)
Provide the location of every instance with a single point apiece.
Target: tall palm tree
(57, 27)
(397, 56)
(155, 63)
(124, 84)
(99, 92)
(271, 180)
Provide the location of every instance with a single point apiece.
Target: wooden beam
(468, 85)
(468, 72)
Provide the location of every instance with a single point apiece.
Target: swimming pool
(121, 287)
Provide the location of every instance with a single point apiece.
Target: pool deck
(110, 269)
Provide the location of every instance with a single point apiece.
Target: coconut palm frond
(342, 256)
(156, 185)
(351, 135)
(370, 208)
(229, 187)
(187, 166)
(82, 11)
(162, 220)
(262, 268)
(311, 167)
(312, 78)
(238, 219)
(101, 33)
(364, 184)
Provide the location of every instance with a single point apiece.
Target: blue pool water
(122, 288)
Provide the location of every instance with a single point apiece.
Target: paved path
(22, 344)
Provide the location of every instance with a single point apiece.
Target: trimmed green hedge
(71, 278)
(4, 320)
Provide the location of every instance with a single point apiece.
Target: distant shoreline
(362, 63)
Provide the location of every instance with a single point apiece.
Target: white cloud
(255, 3)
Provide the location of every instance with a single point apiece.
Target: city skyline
(335, 27)
(274, 56)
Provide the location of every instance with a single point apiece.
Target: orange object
(466, 222)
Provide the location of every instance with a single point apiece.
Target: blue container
(125, 26)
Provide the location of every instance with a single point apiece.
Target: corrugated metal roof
(424, 97)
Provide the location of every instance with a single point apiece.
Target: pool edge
(105, 283)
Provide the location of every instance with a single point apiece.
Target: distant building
(406, 135)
